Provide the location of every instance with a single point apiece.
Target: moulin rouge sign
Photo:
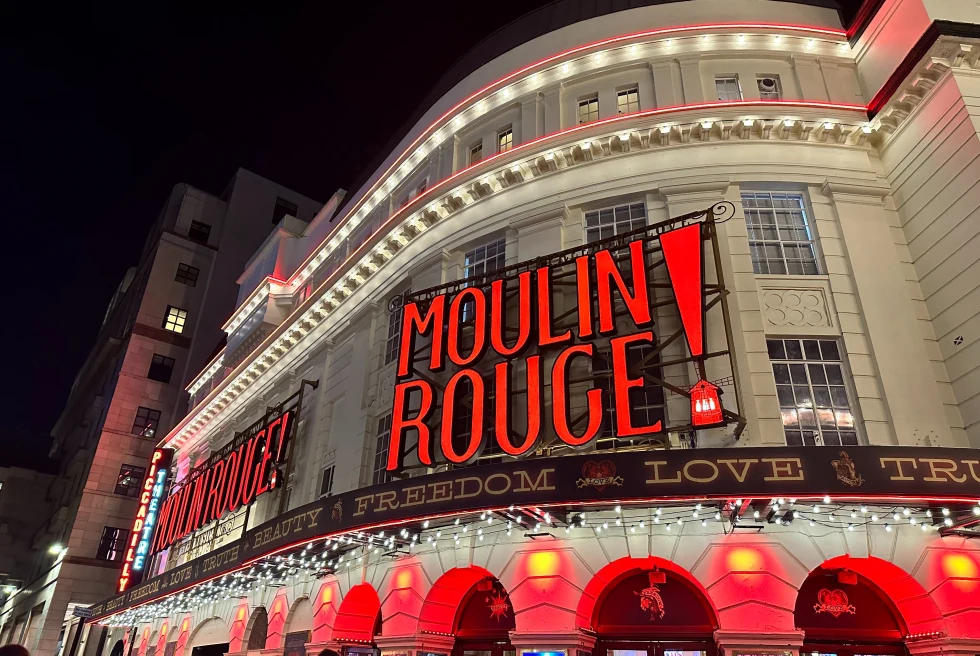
(621, 270)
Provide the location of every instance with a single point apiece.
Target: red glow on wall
(442, 603)
(325, 608)
(741, 559)
(236, 634)
(162, 640)
(144, 642)
(183, 635)
(358, 614)
(277, 621)
(542, 563)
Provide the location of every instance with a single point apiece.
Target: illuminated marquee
(151, 491)
(233, 478)
(539, 324)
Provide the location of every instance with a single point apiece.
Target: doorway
(210, 650)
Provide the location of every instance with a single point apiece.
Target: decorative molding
(791, 306)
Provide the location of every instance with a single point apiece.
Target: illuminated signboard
(147, 513)
(232, 478)
(507, 357)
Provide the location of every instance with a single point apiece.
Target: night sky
(106, 107)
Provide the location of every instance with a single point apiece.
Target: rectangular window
(779, 233)
(505, 140)
(476, 153)
(326, 481)
(611, 221)
(282, 208)
(393, 341)
(769, 87)
(146, 423)
(422, 187)
(129, 481)
(112, 546)
(647, 404)
(199, 232)
(175, 319)
(727, 87)
(187, 275)
(161, 368)
(485, 259)
(813, 399)
(628, 101)
(588, 110)
(381, 475)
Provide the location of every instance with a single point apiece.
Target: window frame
(809, 225)
(116, 541)
(138, 481)
(163, 363)
(618, 226)
(187, 274)
(289, 208)
(147, 421)
(475, 149)
(635, 89)
(199, 232)
(508, 135)
(394, 334)
(180, 319)
(727, 77)
(846, 384)
(332, 468)
(382, 443)
(498, 243)
(587, 102)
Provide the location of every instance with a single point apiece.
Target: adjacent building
(652, 337)
(164, 317)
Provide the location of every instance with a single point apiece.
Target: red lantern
(705, 404)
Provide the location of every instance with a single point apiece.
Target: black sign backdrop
(860, 473)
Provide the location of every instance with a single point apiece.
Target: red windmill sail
(682, 252)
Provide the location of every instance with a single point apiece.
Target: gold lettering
(362, 504)
(696, 479)
(902, 476)
(462, 487)
(782, 469)
(948, 467)
(441, 491)
(973, 472)
(656, 473)
(386, 501)
(313, 515)
(746, 463)
(504, 477)
(414, 496)
(542, 482)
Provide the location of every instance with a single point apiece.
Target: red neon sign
(151, 491)
(612, 289)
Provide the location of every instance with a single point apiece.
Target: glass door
(655, 648)
(480, 648)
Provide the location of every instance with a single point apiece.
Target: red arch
(617, 570)
(440, 610)
(358, 614)
(914, 605)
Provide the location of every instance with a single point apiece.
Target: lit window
(199, 232)
(187, 275)
(476, 153)
(628, 101)
(393, 341)
(129, 481)
(812, 396)
(647, 405)
(611, 221)
(161, 368)
(505, 141)
(326, 481)
(383, 441)
(779, 233)
(485, 259)
(112, 546)
(146, 422)
(588, 110)
(728, 88)
(282, 208)
(769, 87)
(175, 319)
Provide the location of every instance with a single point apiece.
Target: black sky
(107, 106)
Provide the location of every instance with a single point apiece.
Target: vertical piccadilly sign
(150, 494)
(534, 331)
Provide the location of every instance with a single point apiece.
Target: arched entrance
(484, 620)
(117, 648)
(210, 638)
(843, 613)
(650, 607)
(358, 621)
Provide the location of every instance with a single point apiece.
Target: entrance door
(852, 649)
(483, 648)
(210, 650)
(655, 648)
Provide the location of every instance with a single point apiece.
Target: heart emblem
(599, 475)
(834, 602)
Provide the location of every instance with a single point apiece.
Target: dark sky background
(105, 107)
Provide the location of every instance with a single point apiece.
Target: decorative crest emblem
(846, 471)
(652, 602)
(599, 475)
(337, 511)
(834, 602)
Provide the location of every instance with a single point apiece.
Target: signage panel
(147, 517)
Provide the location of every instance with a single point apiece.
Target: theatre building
(654, 336)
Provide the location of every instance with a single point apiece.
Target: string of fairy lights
(339, 554)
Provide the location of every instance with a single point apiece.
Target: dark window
(611, 221)
(161, 368)
(326, 481)
(647, 403)
(381, 474)
(283, 207)
(112, 546)
(129, 481)
(187, 275)
(813, 398)
(147, 421)
(779, 233)
(199, 232)
(422, 187)
(175, 319)
(393, 341)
